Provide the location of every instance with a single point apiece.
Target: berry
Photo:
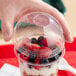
(44, 61)
(31, 60)
(37, 61)
(20, 50)
(44, 42)
(23, 57)
(35, 46)
(41, 45)
(32, 47)
(34, 41)
(37, 67)
(32, 57)
(40, 39)
(28, 46)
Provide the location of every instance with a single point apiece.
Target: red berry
(37, 67)
(44, 42)
(23, 57)
(38, 61)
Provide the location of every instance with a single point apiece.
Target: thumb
(7, 29)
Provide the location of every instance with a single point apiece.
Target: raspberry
(44, 42)
(40, 39)
(23, 57)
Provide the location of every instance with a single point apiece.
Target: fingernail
(70, 38)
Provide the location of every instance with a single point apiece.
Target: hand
(12, 10)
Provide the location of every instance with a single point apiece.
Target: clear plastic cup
(39, 44)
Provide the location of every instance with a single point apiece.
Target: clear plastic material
(39, 44)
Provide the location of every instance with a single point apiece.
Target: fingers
(56, 14)
(7, 19)
(34, 5)
(7, 29)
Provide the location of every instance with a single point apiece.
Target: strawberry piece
(45, 51)
(32, 47)
(35, 46)
(44, 42)
(37, 61)
(23, 57)
(28, 46)
(37, 67)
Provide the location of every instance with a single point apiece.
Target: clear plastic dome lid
(39, 37)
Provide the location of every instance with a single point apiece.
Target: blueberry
(44, 61)
(40, 38)
(32, 57)
(31, 60)
(34, 41)
(20, 50)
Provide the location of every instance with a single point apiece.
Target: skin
(12, 10)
